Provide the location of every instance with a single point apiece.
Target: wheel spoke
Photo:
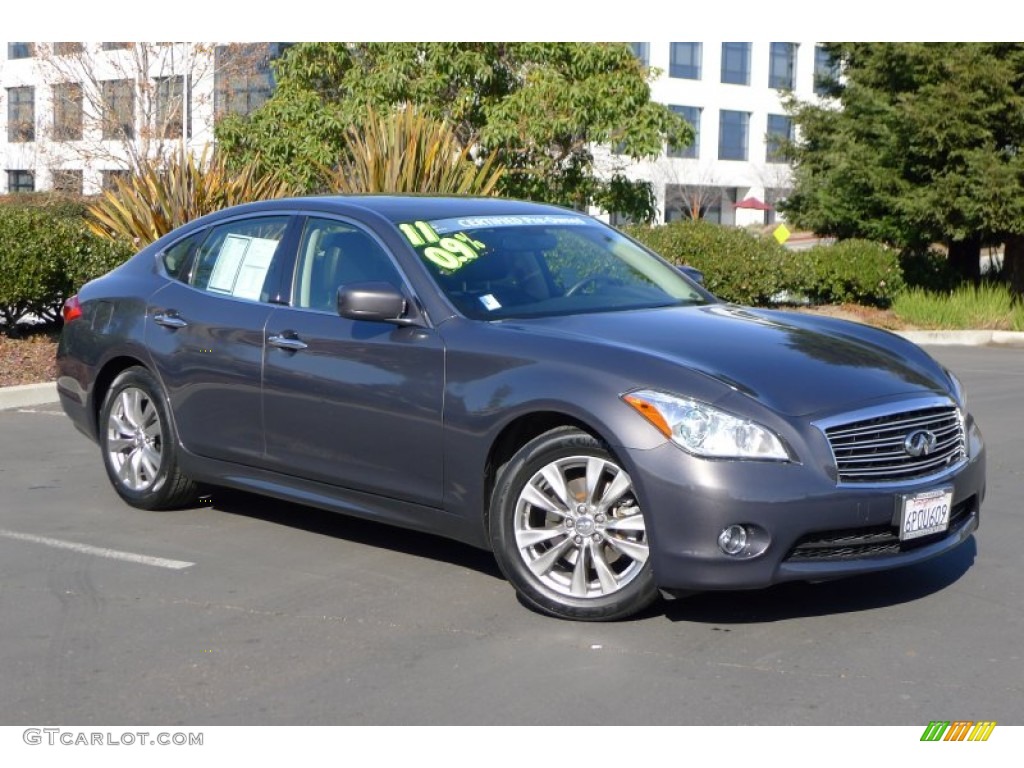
(124, 408)
(120, 424)
(149, 417)
(150, 461)
(556, 480)
(579, 572)
(595, 467)
(631, 549)
(631, 523)
(152, 429)
(604, 572)
(534, 536)
(534, 496)
(543, 564)
(615, 490)
(118, 444)
(135, 462)
(133, 407)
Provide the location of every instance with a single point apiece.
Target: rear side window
(176, 257)
(235, 258)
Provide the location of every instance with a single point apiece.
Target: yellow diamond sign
(782, 233)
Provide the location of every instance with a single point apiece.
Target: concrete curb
(965, 338)
(26, 395)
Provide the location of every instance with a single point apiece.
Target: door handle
(169, 320)
(290, 343)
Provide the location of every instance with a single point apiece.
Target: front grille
(873, 541)
(873, 450)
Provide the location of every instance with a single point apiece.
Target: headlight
(705, 431)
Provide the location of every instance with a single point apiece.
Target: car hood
(795, 364)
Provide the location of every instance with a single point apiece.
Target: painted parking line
(87, 549)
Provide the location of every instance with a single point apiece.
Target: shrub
(62, 206)
(160, 196)
(44, 258)
(854, 271)
(737, 265)
(988, 305)
(407, 151)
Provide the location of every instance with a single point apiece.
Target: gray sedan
(525, 379)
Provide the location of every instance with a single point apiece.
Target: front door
(352, 403)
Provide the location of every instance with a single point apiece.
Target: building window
(67, 111)
(66, 49)
(643, 52)
(694, 201)
(170, 98)
(118, 109)
(685, 61)
(243, 80)
(782, 66)
(692, 116)
(21, 181)
(780, 133)
(736, 63)
(21, 114)
(826, 70)
(67, 181)
(20, 50)
(115, 46)
(733, 128)
(109, 177)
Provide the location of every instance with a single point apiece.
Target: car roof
(398, 208)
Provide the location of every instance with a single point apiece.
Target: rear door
(205, 332)
(352, 403)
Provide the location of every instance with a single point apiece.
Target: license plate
(925, 513)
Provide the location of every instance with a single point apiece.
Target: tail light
(72, 310)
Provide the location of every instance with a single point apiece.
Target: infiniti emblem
(920, 442)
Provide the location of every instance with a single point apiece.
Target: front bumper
(807, 527)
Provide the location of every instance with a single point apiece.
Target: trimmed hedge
(45, 256)
(737, 265)
(747, 269)
(851, 271)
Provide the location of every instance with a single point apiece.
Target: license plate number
(925, 513)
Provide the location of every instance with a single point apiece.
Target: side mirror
(693, 273)
(379, 302)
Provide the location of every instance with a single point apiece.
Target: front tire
(138, 443)
(568, 531)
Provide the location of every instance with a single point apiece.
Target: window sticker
(450, 253)
(490, 303)
(445, 226)
(242, 266)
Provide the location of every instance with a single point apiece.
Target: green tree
(921, 144)
(539, 107)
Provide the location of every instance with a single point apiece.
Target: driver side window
(334, 253)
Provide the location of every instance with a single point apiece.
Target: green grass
(987, 306)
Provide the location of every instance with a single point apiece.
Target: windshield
(495, 267)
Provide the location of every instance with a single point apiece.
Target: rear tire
(139, 444)
(568, 532)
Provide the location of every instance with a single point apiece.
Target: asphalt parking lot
(250, 611)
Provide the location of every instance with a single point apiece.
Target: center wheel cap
(585, 525)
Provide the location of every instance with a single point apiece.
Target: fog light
(733, 539)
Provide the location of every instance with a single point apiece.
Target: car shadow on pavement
(354, 529)
(795, 600)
